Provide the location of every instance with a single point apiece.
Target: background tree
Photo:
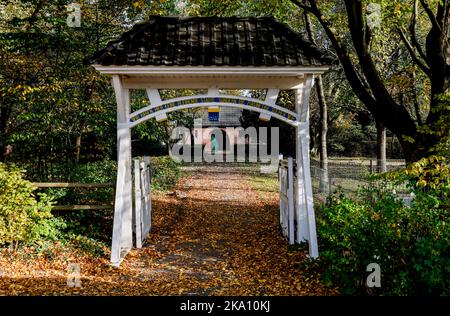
(357, 48)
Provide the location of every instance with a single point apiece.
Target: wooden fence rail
(77, 185)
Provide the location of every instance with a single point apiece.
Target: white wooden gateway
(188, 53)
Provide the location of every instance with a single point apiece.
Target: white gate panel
(142, 199)
(286, 180)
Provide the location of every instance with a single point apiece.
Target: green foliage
(430, 174)
(411, 244)
(23, 216)
(165, 172)
(88, 245)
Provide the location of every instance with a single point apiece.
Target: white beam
(206, 70)
(212, 82)
(154, 96)
(300, 207)
(305, 211)
(272, 96)
(122, 225)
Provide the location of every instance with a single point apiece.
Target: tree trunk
(366, 80)
(323, 110)
(323, 187)
(381, 147)
(77, 148)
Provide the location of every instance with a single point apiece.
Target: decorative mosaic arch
(159, 108)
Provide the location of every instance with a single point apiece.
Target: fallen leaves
(216, 235)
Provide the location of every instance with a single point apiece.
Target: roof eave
(211, 70)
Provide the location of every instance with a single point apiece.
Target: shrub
(411, 244)
(23, 216)
(165, 172)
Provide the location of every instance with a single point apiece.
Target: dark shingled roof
(211, 41)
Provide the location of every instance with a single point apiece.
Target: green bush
(411, 244)
(103, 171)
(23, 216)
(165, 172)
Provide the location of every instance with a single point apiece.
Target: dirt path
(216, 235)
(223, 239)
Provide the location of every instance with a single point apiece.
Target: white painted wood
(138, 202)
(284, 198)
(303, 106)
(305, 211)
(127, 211)
(122, 225)
(280, 159)
(213, 92)
(142, 196)
(159, 114)
(299, 193)
(117, 222)
(312, 236)
(265, 117)
(147, 216)
(291, 200)
(300, 199)
(240, 98)
(205, 70)
(272, 96)
(286, 183)
(213, 82)
(154, 96)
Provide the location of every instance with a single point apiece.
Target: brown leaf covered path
(215, 235)
(223, 239)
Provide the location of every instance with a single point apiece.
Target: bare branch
(412, 30)
(410, 49)
(302, 6)
(430, 15)
(352, 74)
(308, 27)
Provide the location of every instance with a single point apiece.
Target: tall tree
(323, 111)
(381, 147)
(358, 59)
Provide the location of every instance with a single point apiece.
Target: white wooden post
(306, 229)
(291, 199)
(148, 197)
(138, 202)
(300, 214)
(122, 227)
(280, 159)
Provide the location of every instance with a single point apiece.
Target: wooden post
(148, 196)
(305, 193)
(291, 199)
(138, 202)
(301, 215)
(122, 227)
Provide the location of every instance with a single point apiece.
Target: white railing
(286, 181)
(142, 199)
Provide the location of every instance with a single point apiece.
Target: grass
(264, 183)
